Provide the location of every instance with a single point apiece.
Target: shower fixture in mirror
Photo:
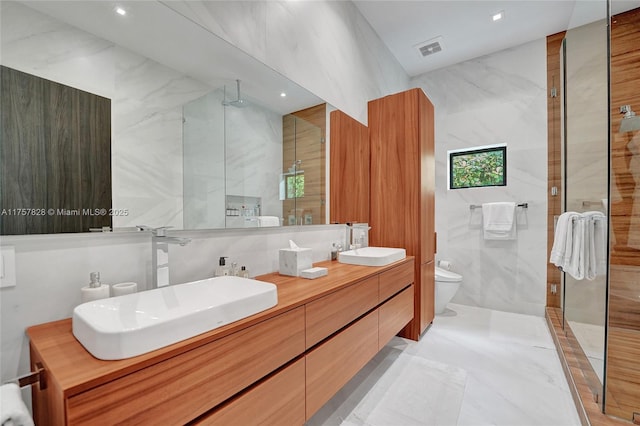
(182, 153)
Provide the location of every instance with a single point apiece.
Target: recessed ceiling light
(498, 16)
(120, 11)
(283, 95)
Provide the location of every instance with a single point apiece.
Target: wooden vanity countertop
(75, 370)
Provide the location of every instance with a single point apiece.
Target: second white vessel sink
(134, 324)
(372, 256)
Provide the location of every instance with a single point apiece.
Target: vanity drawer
(278, 400)
(394, 280)
(330, 313)
(334, 362)
(394, 315)
(181, 388)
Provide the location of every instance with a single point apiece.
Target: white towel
(595, 251)
(268, 221)
(579, 245)
(13, 411)
(574, 264)
(563, 239)
(498, 221)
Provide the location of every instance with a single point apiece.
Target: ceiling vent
(430, 47)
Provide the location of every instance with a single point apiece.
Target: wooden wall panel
(93, 129)
(23, 166)
(349, 178)
(554, 159)
(625, 90)
(303, 139)
(623, 345)
(56, 154)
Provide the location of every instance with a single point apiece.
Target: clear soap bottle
(222, 270)
(244, 273)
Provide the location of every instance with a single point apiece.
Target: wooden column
(554, 155)
(401, 131)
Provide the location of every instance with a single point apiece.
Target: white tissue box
(294, 261)
(313, 273)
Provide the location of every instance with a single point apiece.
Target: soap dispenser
(244, 273)
(95, 290)
(222, 270)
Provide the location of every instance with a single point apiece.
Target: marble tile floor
(474, 366)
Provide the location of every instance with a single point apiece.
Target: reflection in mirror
(163, 74)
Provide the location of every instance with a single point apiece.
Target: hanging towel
(268, 221)
(563, 239)
(595, 251)
(575, 263)
(13, 411)
(579, 245)
(498, 220)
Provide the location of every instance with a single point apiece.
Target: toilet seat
(447, 276)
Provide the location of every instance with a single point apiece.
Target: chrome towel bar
(477, 206)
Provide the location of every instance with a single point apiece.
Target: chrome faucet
(160, 253)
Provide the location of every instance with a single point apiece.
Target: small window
(295, 186)
(474, 168)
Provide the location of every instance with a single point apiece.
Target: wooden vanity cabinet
(277, 400)
(330, 313)
(334, 362)
(278, 368)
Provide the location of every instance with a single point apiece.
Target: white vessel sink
(134, 324)
(372, 256)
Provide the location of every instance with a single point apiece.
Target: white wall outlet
(8, 267)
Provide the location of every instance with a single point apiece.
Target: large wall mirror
(202, 136)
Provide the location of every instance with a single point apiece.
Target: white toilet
(447, 284)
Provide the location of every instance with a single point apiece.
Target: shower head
(630, 122)
(239, 102)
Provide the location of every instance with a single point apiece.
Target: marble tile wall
(498, 98)
(229, 151)
(327, 47)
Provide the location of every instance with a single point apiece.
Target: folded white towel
(595, 251)
(579, 245)
(268, 221)
(563, 239)
(13, 411)
(498, 220)
(574, 264)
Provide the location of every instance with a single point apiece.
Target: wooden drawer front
(333, 363)
(394, 280)
(183, 387)
(394, 315)
(278, 400)
(330, 313)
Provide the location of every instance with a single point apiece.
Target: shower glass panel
(585, 174)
